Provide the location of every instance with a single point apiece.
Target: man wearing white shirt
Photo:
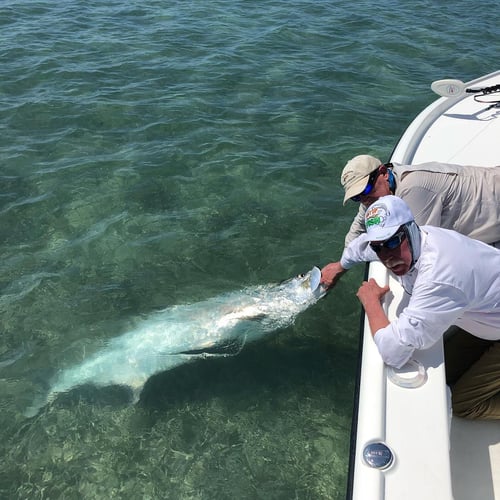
(451, 280)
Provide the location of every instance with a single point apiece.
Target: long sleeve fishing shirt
(463, 198)
(456, 281)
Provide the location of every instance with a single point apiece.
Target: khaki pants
(473, 374)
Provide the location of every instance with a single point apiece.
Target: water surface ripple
(159, 153)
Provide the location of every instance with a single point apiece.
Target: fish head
(306, 287)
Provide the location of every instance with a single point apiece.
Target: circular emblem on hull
(378, 456)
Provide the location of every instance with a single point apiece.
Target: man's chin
(400, 270)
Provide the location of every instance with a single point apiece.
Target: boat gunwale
(404, 152)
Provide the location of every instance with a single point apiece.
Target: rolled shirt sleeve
(358, 251)
(391, 348)
(421, 324)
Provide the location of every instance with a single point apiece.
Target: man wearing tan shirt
(463, 198)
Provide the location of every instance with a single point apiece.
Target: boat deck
(475, 442)
(432, 459)
(466, 133)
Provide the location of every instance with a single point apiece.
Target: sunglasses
(392, 243)
(369, 187)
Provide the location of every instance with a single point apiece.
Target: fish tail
(38, 403)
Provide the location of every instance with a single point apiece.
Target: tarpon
(179, 334)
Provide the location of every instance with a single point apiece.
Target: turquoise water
(159, 153)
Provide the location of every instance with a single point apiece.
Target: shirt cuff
(389, 345)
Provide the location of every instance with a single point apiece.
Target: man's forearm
(377, 318)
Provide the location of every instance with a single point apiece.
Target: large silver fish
(183, 333)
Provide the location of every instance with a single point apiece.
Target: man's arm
(357, 227)
(383, 332)
(370, 295)
(331, 273)
(358, 251)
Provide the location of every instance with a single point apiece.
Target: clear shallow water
(163, 153)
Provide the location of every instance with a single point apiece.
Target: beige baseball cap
(355, 175)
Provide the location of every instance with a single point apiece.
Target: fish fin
(230, 348)
(136, 388)
(136, 394)
(255, 317)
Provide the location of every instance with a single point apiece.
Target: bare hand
(331, 273)
(369, 292)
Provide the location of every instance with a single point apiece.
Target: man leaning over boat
(463, 198)
(445, 288)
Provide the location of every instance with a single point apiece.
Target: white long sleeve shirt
(463, 198)
(456, 281)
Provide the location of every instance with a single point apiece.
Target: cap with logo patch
(384, 217)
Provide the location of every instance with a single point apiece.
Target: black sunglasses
(369, 187)
(392, 243)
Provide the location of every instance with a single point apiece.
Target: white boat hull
(430, 460)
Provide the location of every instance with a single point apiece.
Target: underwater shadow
(259, 368)
(278, 370)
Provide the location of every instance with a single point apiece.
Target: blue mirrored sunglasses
(369, 186)
(392, 243)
